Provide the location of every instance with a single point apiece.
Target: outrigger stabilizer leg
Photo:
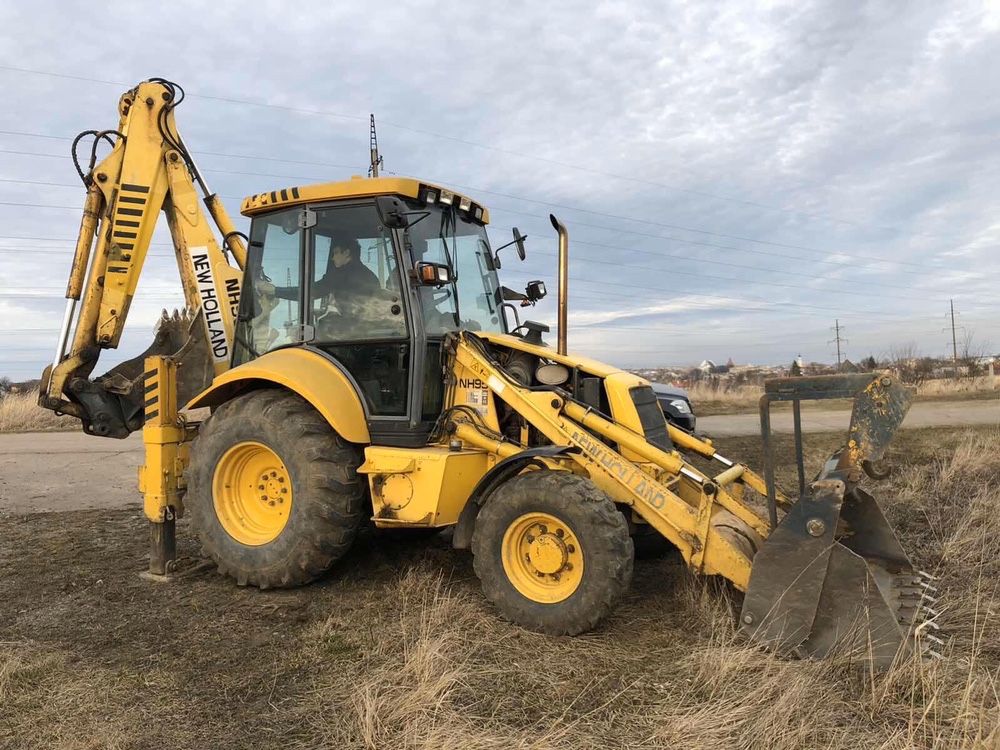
(166, 438)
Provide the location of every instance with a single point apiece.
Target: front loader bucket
(833, 578)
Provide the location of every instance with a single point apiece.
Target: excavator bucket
(113, 402)
(832, 578)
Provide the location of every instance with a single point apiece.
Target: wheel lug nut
(284, 490)
(272, 503)
(264, 498)
(274, 474)
(570, 548)
(260, 487)
(568, 566)
(543, 528)
(281, 479)
(540, 574)
(530, 538)
(560, 533)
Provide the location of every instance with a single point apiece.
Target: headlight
(681, 405)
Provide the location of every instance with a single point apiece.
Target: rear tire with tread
(328, 496)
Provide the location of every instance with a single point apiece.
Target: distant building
(708, 367)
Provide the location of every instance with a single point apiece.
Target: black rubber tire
(603, 534)
(328, 505)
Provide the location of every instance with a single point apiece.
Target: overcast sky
(734, 177)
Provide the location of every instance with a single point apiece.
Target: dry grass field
(396, 648)
(20, 412)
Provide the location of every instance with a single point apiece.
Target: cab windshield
(441, 234)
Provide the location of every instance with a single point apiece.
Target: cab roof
(356, 187)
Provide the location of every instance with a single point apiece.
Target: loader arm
(148, 170)
(829, 576)
(715, 532)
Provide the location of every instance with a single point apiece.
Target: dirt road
(42, 471)
(930, 414)
(59, 471)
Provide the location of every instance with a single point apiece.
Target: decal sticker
(210, 303)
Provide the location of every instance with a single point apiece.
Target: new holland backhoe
(362, 363)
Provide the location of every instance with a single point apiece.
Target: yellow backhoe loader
(361, 360)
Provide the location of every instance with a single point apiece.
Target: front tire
(273, 491)
(552, 552)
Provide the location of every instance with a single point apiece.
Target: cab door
(357, 307)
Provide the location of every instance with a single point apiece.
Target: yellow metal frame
(424, 486)
(312, 376)
(663, 489)
(356, 187)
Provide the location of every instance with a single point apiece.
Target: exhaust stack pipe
(563, 282)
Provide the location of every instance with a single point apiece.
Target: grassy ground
(20, 412)
(396, 648)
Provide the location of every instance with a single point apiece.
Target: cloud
(841, 157)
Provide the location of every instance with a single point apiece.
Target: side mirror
(432, 274)
(392, 213)
(517, 242)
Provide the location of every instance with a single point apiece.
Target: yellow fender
(308, 373)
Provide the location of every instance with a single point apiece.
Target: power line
(683, 228)
(509, 152)
(865, 259)
(672, 271)
(203, 169)
(798, 287)
(661, 254)
(602, 283)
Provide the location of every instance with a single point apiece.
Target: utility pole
(376, 159)
(838, 339)
(954, 340)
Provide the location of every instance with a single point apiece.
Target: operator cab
(372, 274)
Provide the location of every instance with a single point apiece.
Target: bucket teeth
(917, 612)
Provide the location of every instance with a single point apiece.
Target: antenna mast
(376, 160)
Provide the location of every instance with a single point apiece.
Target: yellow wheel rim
(542, 557)
(252, 493)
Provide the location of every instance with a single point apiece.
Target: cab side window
(355, 289)
(270, 304)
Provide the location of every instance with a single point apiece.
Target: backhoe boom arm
(148, 170)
